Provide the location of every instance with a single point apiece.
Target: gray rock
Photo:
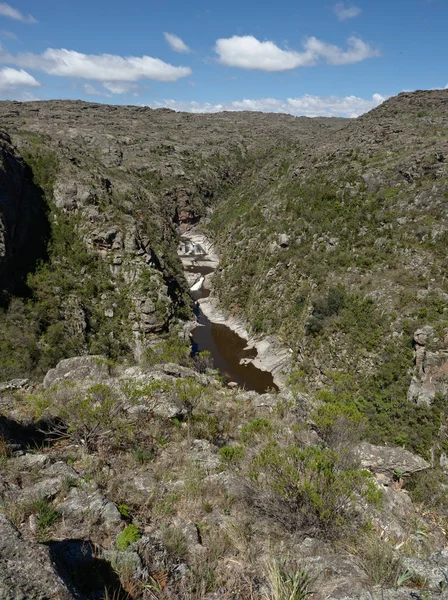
(89, 502)
(14, 384)
(283, 240)
(26, 569)
(31, 461)
(388, 460)
(53, 479)
(424, 335)
(77, 368)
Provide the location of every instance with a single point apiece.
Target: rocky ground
(148, 483)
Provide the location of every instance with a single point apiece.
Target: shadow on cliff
(24, 212)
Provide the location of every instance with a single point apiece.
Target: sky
(312, 58)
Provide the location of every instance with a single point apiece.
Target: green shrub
(128, 536)
(315, 484)
(46, 514)
(231, 455)
(339, 421)
(89, 417)
(256, 428)
(125, 511)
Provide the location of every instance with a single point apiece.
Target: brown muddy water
(226, 347)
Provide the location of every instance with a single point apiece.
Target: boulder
(283, 240)
(78, 368)
(26, 569)
(388, 460)
(86, 503)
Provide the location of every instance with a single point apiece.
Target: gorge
(308, 257)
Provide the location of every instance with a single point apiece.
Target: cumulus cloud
(246, 52)
(333, 55)
(13, 78)
(98, 67)
(8, 11)
(176, 43)
(346, 11)
(307, 105)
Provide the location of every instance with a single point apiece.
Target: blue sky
(313, 58)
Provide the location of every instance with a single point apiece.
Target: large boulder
(388, 460)
(26, 569)
(77, 368)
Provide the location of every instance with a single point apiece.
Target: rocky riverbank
(196, 252)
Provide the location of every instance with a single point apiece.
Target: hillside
(130, 469)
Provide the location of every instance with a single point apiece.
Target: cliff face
(23, 226)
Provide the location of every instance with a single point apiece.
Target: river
(229, 351)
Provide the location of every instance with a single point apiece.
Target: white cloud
(346, 11)
(307, 105)
(246, 52)
(118, 87)
(98, 67)
(333, 55)
(176, 43)
(8, 11)
(12, 78)
(91, 90)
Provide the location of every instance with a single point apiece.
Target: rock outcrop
(431, 366)
(27, 570)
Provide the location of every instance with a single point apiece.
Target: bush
(128, 536)
(256, 428)
(315, 485)
(231, 455)
(339, 422)
(46, 514)
(171, 350)
(203, 361)
(379, 561)
(324, 308)
(89, 418)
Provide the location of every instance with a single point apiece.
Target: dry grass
(287, 582)
(379, 561)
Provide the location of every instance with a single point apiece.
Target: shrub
(89, 418)
(203, 361)
(128, 536)
(378, 560)
(231, 455)
(171, 350)
(256, 428)
(338, 421)
(175, 542)
(46, 514)
(315, 485)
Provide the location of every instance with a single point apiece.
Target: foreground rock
(26, 570)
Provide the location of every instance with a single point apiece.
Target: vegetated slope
(117, 182)
(341, 249)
